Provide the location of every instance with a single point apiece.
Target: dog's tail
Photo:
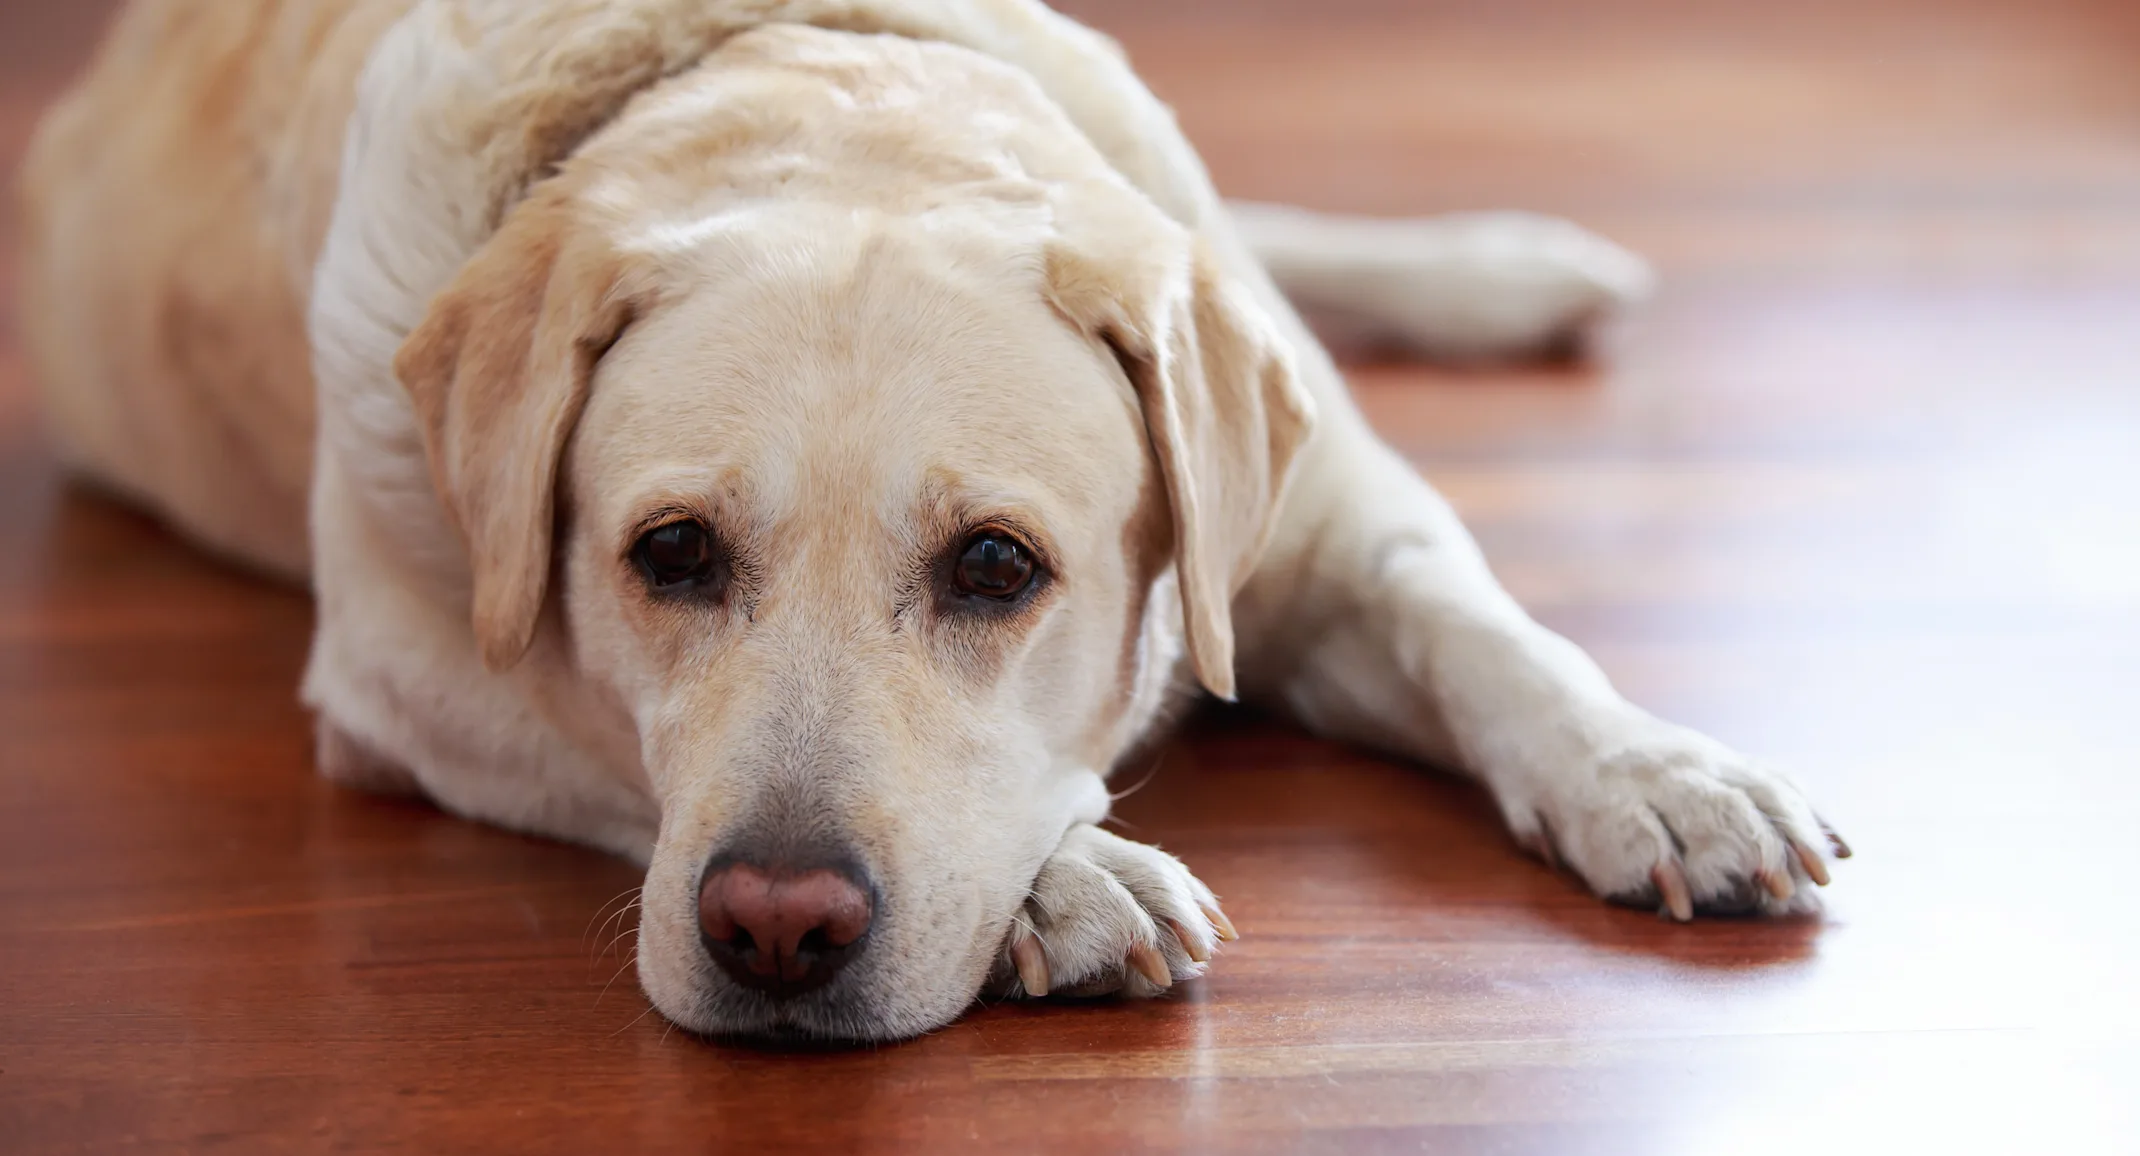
(1465, 287)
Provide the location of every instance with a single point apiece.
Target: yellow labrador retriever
(802, 445)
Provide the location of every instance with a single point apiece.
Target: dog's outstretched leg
(1463, 287)
(1375, 619)
(1373, 616)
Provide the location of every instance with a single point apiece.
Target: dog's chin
(842, 1014)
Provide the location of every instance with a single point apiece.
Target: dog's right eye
(676, 556)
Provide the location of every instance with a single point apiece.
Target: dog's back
(176, 202)
(172, 205)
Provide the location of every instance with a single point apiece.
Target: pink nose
(778, 931)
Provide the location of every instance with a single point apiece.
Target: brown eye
(676, 555)
(993, 566)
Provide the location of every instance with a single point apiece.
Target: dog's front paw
(1110, 916)
(1679, 822)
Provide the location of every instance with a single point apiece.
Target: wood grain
(1860, 491)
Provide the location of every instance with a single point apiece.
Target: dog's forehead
(859, 368)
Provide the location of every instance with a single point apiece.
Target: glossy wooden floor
(1860, 491)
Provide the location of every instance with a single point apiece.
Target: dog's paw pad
(1108, 916)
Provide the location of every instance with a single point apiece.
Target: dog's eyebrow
(951, 512)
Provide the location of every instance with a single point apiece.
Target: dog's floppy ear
(498, 371)
(1214, 376)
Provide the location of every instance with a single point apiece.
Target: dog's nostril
(782, 932)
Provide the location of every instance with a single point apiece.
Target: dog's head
(874, 468)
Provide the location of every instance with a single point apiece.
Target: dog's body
(866, 302)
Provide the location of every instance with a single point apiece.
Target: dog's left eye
(993, 565)
(676, 555)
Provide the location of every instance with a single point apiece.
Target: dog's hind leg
(1463, 287)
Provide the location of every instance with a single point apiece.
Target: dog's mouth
(876, 1001)
(787, 1039)
(733, 1015)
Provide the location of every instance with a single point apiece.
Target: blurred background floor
(1860, 491)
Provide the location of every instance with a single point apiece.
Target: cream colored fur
(843, 280)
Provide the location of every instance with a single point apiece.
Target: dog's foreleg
(1464, 287)
(1375, 619)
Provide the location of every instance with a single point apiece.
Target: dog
(804, 446)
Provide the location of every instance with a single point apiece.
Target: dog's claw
(1190, 943)
(1032, 963)
(1105, 907)
(1809, 859)
(1150, 964)
(1541, 845)
(1672, 888)
(1842, 849)
(1778, 883)
(1220, 923)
